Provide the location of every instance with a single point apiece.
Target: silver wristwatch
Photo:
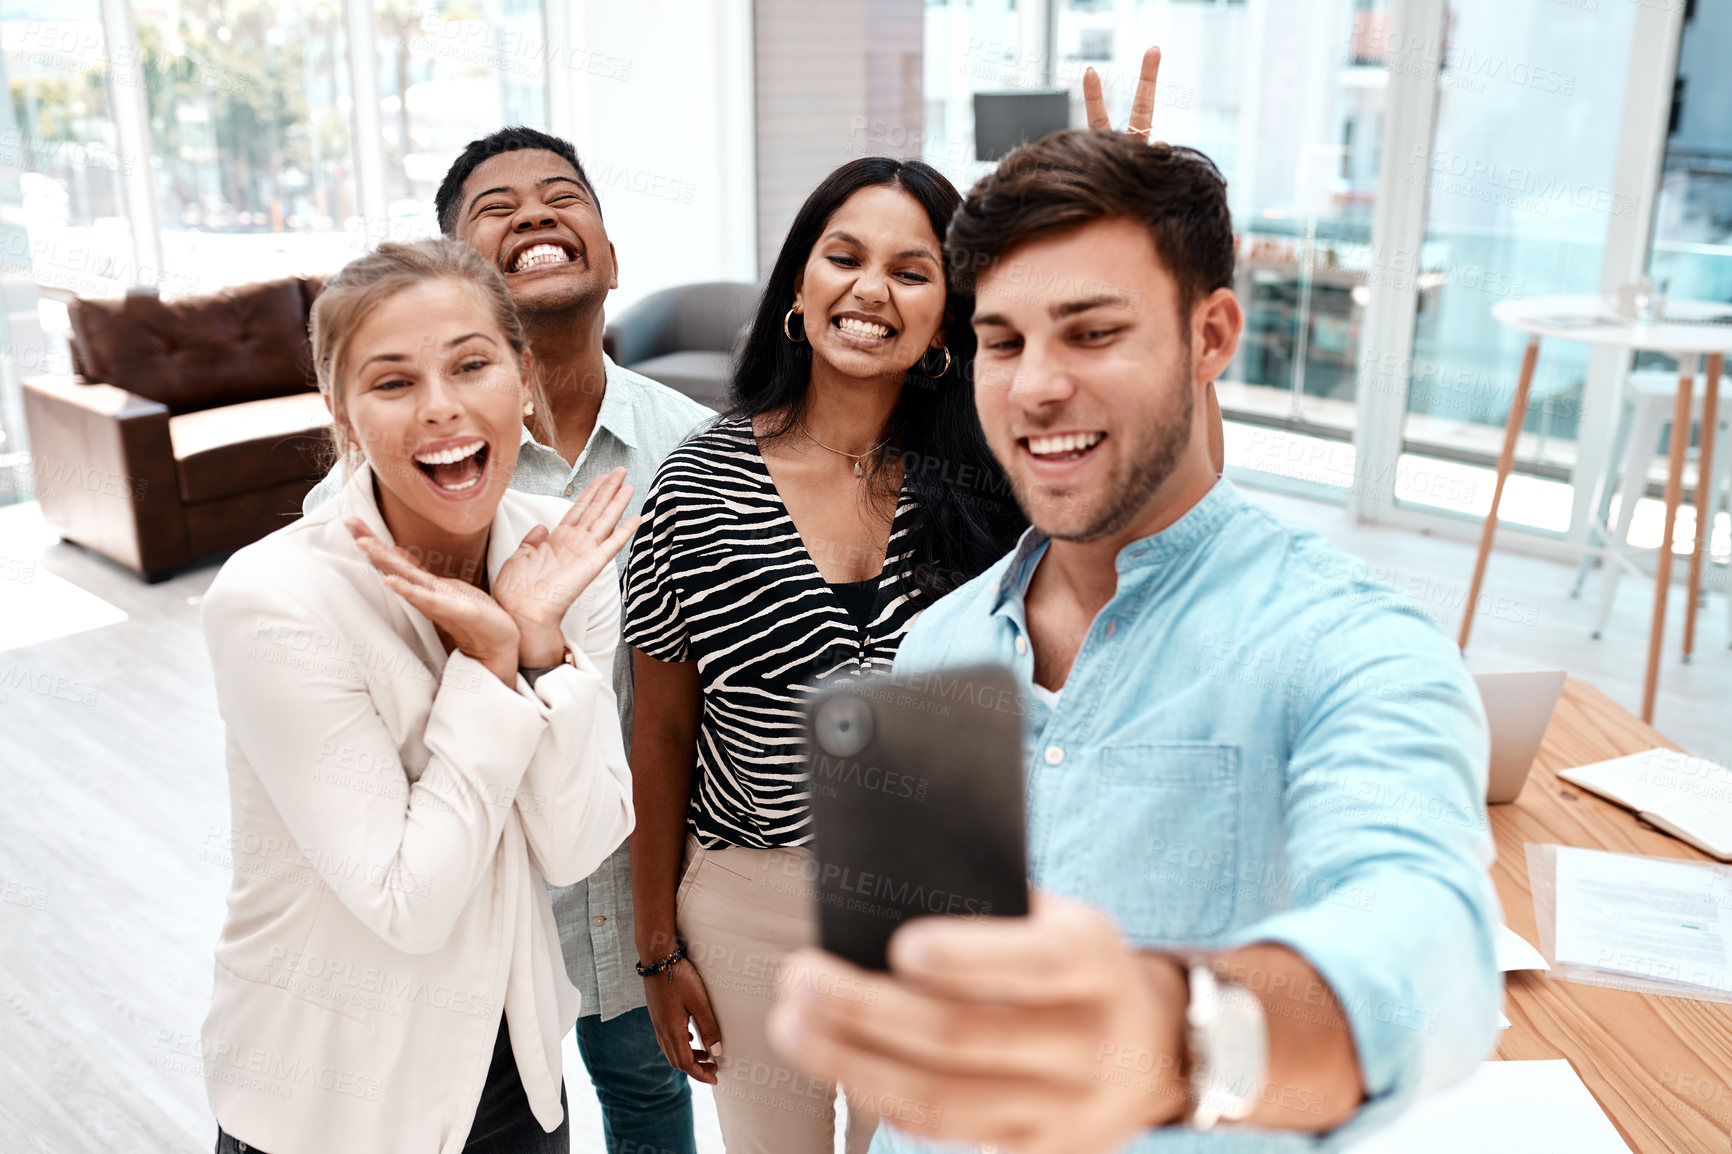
(1228, 1041)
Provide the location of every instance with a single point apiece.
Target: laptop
(1518, 707)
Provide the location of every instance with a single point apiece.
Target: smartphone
(917, 804)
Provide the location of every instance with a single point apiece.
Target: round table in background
(1594, 320)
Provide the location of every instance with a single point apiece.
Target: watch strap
(533, 675)
(1227, 1037)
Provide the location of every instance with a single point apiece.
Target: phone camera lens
(844, 725)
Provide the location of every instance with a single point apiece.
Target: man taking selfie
(1254, 782)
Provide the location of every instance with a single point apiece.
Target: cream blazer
(395, 817)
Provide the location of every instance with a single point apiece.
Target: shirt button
(1021, 645)
(1111, 625)
(599, 920)
(1054, 755)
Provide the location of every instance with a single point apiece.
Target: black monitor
(1005, 121)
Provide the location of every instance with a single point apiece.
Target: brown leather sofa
(190, 428)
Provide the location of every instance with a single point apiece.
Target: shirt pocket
(1162, 839)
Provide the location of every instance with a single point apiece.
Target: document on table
(1688, 797)
(1503, 1108)
(1514, 952)
(1647, 917)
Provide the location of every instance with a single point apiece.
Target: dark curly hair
(511, 139)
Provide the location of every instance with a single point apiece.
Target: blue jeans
(646, 1104)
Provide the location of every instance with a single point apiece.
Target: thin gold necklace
(857, 458)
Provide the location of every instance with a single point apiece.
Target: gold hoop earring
(940, 372)
(787, 332)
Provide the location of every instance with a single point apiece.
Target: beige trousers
(739, 912)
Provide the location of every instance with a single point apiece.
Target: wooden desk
(1660, 1067)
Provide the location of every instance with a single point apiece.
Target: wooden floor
(113, 813)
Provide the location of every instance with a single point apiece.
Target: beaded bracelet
(666, 964)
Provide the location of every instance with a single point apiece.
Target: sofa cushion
(227, 525)
(254, 445)
(698, 373)
(196, 353)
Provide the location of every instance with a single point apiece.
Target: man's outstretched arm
(1049, 1033)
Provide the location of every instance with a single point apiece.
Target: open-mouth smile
(862, 330)
(1062, 448)
(542, 254)
(456, 467)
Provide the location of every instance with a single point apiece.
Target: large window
(1494, 181)
(63, 223)
(1520, 186)
(1692, 252)
(64, 146)
(970, 47)
(249, 130)
(1287, 98)
(450, 71)
(1691, 255)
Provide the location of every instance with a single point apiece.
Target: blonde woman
(421, 735)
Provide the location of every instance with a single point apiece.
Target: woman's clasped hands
(518, 624)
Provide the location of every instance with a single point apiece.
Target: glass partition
(1691, 257)
(1519, 182)
(1287, 97)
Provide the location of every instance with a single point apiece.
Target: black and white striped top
(719, 575)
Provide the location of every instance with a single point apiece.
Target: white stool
(1648, 413)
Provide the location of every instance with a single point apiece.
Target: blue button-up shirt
(639, 423)
(1256, 743)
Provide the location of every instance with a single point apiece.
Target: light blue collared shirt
(1256, 743)
(639, 423)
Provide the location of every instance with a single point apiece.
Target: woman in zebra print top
(790, 544)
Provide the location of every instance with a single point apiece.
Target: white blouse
(396, 815)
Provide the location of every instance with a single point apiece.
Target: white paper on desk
(1688, 797)
(1503, 1108)
(1650, 917)
(1514, 953)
